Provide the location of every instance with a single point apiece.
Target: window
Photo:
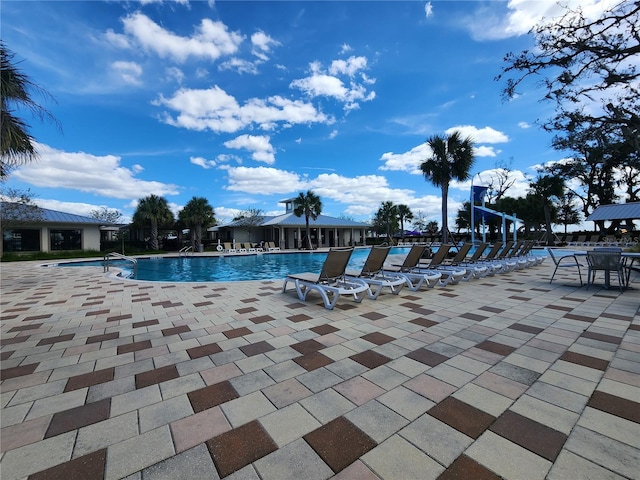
(21, 240)
(65, 239)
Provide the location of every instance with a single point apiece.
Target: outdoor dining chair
(607, 261)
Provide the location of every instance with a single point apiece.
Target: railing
(117, 255)
(185, 250)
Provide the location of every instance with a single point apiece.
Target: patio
(503, 377)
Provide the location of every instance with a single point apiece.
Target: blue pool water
(230, 268)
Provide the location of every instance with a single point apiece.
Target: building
(288, 231)
(33, 229)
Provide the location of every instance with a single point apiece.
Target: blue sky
(250, 103)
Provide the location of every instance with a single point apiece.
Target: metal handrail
(105, 262)
(185, 250)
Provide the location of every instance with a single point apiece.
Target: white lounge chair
(415, 280)
(373, 273)
(331, 282)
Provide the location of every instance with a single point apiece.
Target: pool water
(231, 268)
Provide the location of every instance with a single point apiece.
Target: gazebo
(616, 213)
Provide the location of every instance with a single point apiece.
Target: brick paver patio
(502, 377)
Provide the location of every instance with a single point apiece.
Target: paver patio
(502, 377)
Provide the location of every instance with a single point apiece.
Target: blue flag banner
(478, 192)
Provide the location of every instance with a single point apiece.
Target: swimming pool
(228, 268)
(231, 268)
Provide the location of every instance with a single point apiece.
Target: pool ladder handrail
(134, 261)
(186, 250)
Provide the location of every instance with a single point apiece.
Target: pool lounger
(329, 291)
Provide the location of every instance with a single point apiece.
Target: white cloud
(479, 135)
(345, 48)
(211, 39)
(214, 109)
(262, 45)
(349, 67)
(259, 145)
(203, 162)
(265, 180)
(100, 175)
(129, 72)
(524, 125)
(484, 151)
(239, 65)
(428, 10)
(175, 73)
(488, 21)
(327, 84)
(408, 161)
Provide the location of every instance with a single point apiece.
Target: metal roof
(618, 211)
(54, 216)
(290, 220)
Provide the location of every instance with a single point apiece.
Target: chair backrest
(336, 263)
(604, 260)
(414, 256)
(462, 253)
(505, 250)
(375, 261)
(479, 251)
(494, 250)
(440, 254)
(517, 248)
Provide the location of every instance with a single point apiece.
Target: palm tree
(404, 213)
(16, 144)
(309, 205)
(155, 210)
(196, 215)
(451, 159)
(386, 219)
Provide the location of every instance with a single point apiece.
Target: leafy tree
(451, 159)
(250, 219)
(432, 227)
(463, 218)
(546, 188)
(420, 221)
(404, 213)
(16, 144)
(155, 210)
(386, 220)
(567, 212)
(586, 61)
(196, 215)
(589, 69)
(106, 215)
(309, 205)
(501, 181)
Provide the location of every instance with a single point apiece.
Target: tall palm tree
(196, 215)
(309, 205)
(16, 144)
(451, 159)
(404, 213)
(387, 219)
(155, 210)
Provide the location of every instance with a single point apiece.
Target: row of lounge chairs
(596, 240)
(248, 247)
(414, 273)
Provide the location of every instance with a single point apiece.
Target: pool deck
(501, 377)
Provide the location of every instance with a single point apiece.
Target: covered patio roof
(618, 211)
